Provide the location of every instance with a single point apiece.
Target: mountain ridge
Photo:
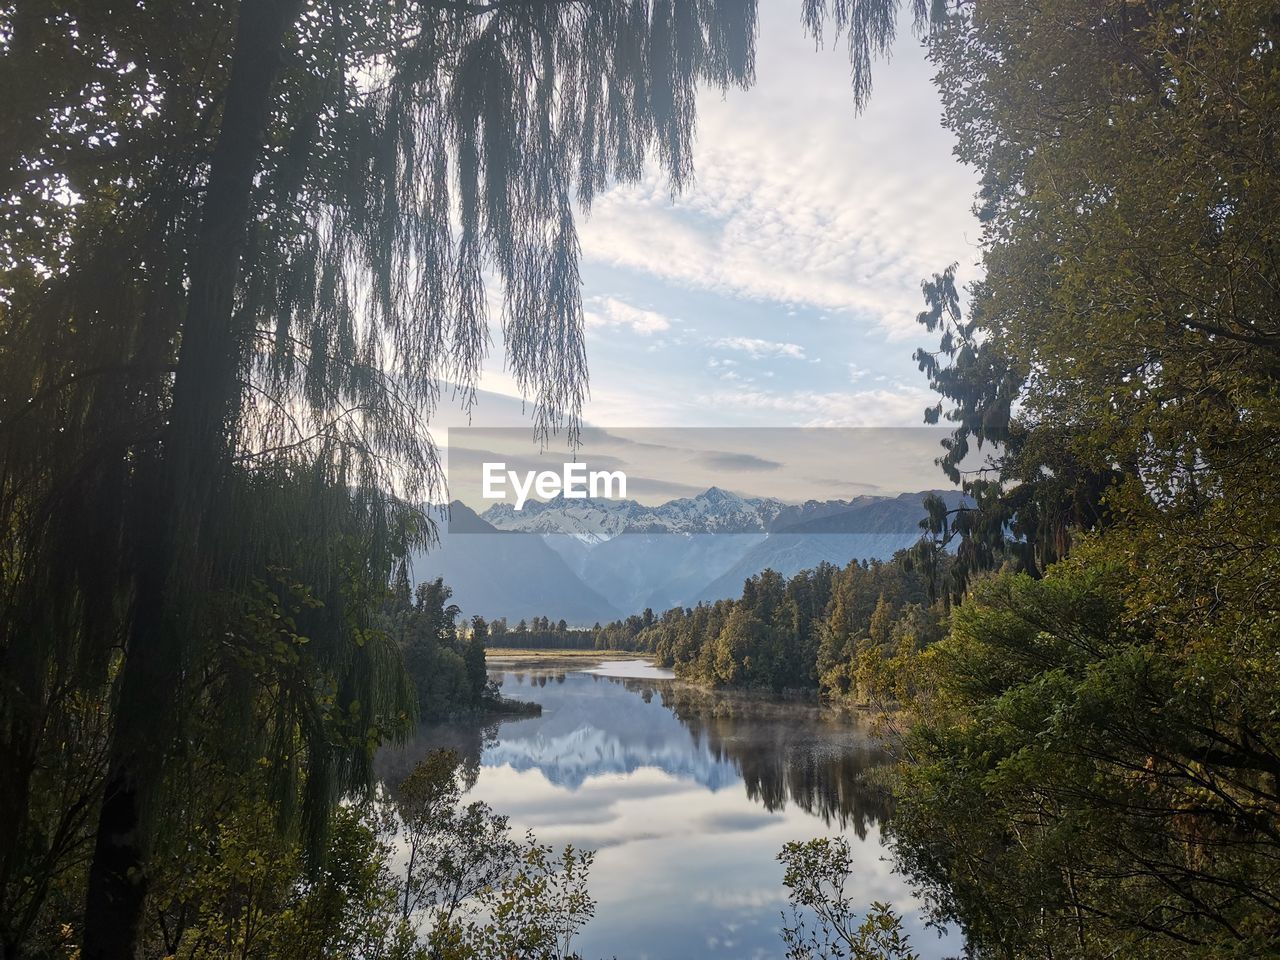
(591, 561)
(712, 511)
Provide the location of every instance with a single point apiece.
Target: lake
(686, 795)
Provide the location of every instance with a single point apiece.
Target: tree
(249, 243)
(454, 853)
(245, 891)
(1095, 752)
(538, 910)
(477, 892)
(1121, 350)
(824, 921)
(477, 673)
(446, 668)
(1082, 789)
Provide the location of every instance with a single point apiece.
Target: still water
(687, 797)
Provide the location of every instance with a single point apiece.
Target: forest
(833, 631)
(540, 633)
(248, 247)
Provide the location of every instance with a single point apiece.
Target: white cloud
(798, 201)
(902, 407)
(825, 221)
(602, 312)
(760, 348)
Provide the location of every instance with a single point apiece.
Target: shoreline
(558, 653)
(855, 713)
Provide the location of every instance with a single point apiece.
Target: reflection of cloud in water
(751, 899)
(738, 821)
(687, 797)
(630, 669)
(593, 725)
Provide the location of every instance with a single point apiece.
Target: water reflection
(790, 753)
(687, 795)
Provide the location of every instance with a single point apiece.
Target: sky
(781, 288)
(664, 463)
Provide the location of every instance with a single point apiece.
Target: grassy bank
(522, 653)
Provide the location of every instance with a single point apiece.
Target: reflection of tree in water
(467, 738)
(540, 679)
(786, 752)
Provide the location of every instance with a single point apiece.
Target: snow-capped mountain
(591, 520)
(713, 511)
(589, 560)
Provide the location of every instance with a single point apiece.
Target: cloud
(798, 201)
(653, 490)
(806, 226)
(809, 408)
(844, 483)
(611, 312)
(760, 348)
(750, 899)
(738, 461)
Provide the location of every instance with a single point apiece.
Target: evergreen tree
(477, 673)
(1094, 753)
(246, 243)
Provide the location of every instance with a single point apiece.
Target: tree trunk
(170, 562)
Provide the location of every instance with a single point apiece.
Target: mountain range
(589, 561)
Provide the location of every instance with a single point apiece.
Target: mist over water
(687, 795)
